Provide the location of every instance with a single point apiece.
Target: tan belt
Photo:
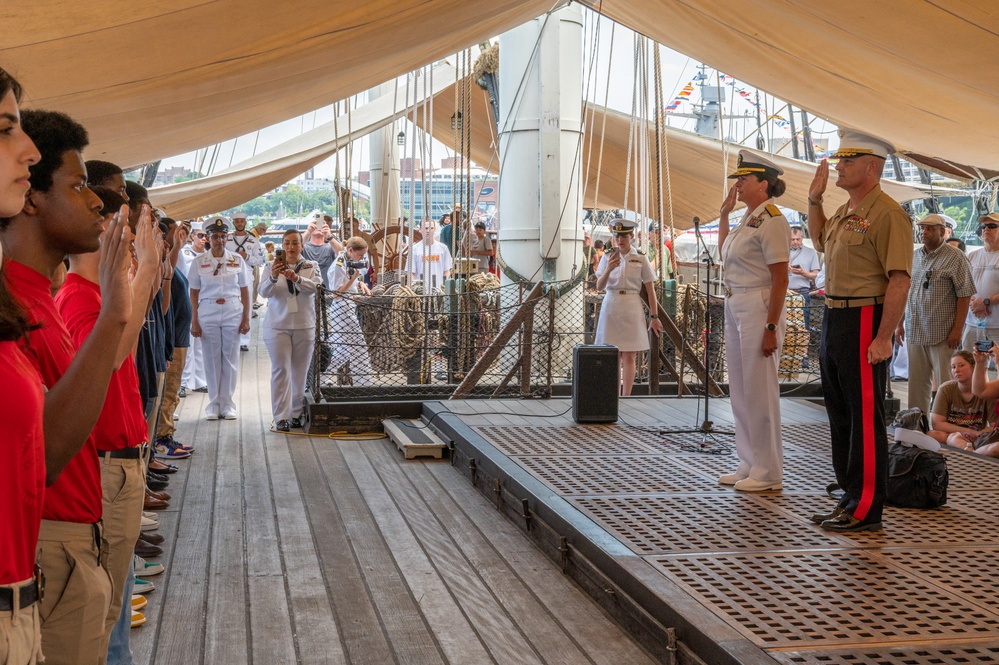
(848, 303)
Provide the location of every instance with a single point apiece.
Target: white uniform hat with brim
(856, 144)
(751, 163)
(620, 225)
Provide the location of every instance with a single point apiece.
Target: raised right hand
(729, 203)
(820, 181)
(115, 260)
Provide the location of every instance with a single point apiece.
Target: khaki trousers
(123, 483)
(20, 639)
(77, 594)
(925, 364)
(171, 394)
(153, 418)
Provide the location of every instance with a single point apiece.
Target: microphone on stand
(697, 224)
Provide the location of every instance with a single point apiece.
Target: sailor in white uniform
(220, 300)
(755, 256)
(290, 285)
(194, 365)
(251, 250)
(624, 272)
(346, 341)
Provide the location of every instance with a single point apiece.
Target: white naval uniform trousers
(194, 367)
(255, 257)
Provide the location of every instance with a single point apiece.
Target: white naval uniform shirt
(187, 255)
(750, 247)
(218, 277)
(248, 243)
(295, 308)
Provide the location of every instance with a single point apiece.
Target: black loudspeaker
(594, 383)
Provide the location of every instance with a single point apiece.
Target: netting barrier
(403, 343)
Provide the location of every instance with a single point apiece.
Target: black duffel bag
(917, 478)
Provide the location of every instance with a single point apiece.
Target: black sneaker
(282, 426)
(296, 423)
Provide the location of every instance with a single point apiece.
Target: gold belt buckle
(220, 301)
(40, 582)
(622, 293)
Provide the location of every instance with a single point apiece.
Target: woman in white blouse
(290, 327)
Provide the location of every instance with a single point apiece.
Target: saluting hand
(820, 181)
(728, 205)
(115, 259)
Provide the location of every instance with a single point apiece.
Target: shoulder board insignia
(773, 210)
(339, 262)
(754, 222)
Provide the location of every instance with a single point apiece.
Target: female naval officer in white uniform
(623, 272)
(346, 339)
(220, 300)
(289, 284)
(755, 257)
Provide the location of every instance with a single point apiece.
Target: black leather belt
(124, 453)
(29, 593)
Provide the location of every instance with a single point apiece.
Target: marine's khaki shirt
(863, 245)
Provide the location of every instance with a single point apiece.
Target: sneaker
(182, 393)
(282, 426)
(165, 452)
(138, 618)
(171, 442)
(150, 515)
(138, 602)
(142, 586)
(202, 389)
(256, 305)
(176, 417)
(296, 423)
(143, 568)
(244, 347)
(146, 524)
(212, 416)
(229, 415)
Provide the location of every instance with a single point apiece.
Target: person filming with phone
(289, 286)
(935, 311)
(346, 342)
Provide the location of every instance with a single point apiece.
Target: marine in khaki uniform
(868, 251)
(755, 256)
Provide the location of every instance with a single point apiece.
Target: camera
(983, 345)
(354, 266)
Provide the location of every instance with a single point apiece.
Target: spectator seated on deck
(959, 415)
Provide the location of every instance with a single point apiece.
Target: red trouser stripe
(867, 408)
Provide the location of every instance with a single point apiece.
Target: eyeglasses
(926, 282)
(220, 236)
(990, 226)
(199, 235)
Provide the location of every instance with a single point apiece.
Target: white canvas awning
(152, 80)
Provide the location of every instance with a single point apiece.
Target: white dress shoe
(753, 485)
(731, 478)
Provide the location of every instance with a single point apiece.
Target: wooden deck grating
(294, 549)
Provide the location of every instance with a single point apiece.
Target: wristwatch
(986, 302)
(771, 326)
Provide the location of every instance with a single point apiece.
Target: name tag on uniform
(634, 260)
(857, 223)
(754, 222)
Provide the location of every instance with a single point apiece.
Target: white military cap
(622, 226)
(239, 215)
(217, 224)
(751, 163)
(855, 144)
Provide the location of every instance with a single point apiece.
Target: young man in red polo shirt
(121, 428)
(60, 217)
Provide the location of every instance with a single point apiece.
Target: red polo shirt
(121, 423)
(22, 463)
(76, 495)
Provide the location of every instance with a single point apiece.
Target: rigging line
(603, 127)
(631, 127)
(336, 169)
(587, 117)
(721, 126)
(657, 112)
(669, 192)
(412, 152)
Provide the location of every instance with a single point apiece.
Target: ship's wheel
(387, 244)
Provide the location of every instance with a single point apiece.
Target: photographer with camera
(290, 327)
(346, 342)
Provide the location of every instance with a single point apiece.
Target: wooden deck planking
(293, 549)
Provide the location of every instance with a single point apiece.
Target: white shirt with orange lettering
(429, 263)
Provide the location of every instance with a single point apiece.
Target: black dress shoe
(296, 423)
(819, 518)
(170, 468)
(202, 389)
(847, 522)
(156, 485)
(283, 426)
(244, 347)
(151, 537)
(146, 550)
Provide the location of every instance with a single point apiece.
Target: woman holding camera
(755, 256)
(290, 327)
(346, 341)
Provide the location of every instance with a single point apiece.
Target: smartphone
(983, 345)
(279, 256)
(796, 265)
